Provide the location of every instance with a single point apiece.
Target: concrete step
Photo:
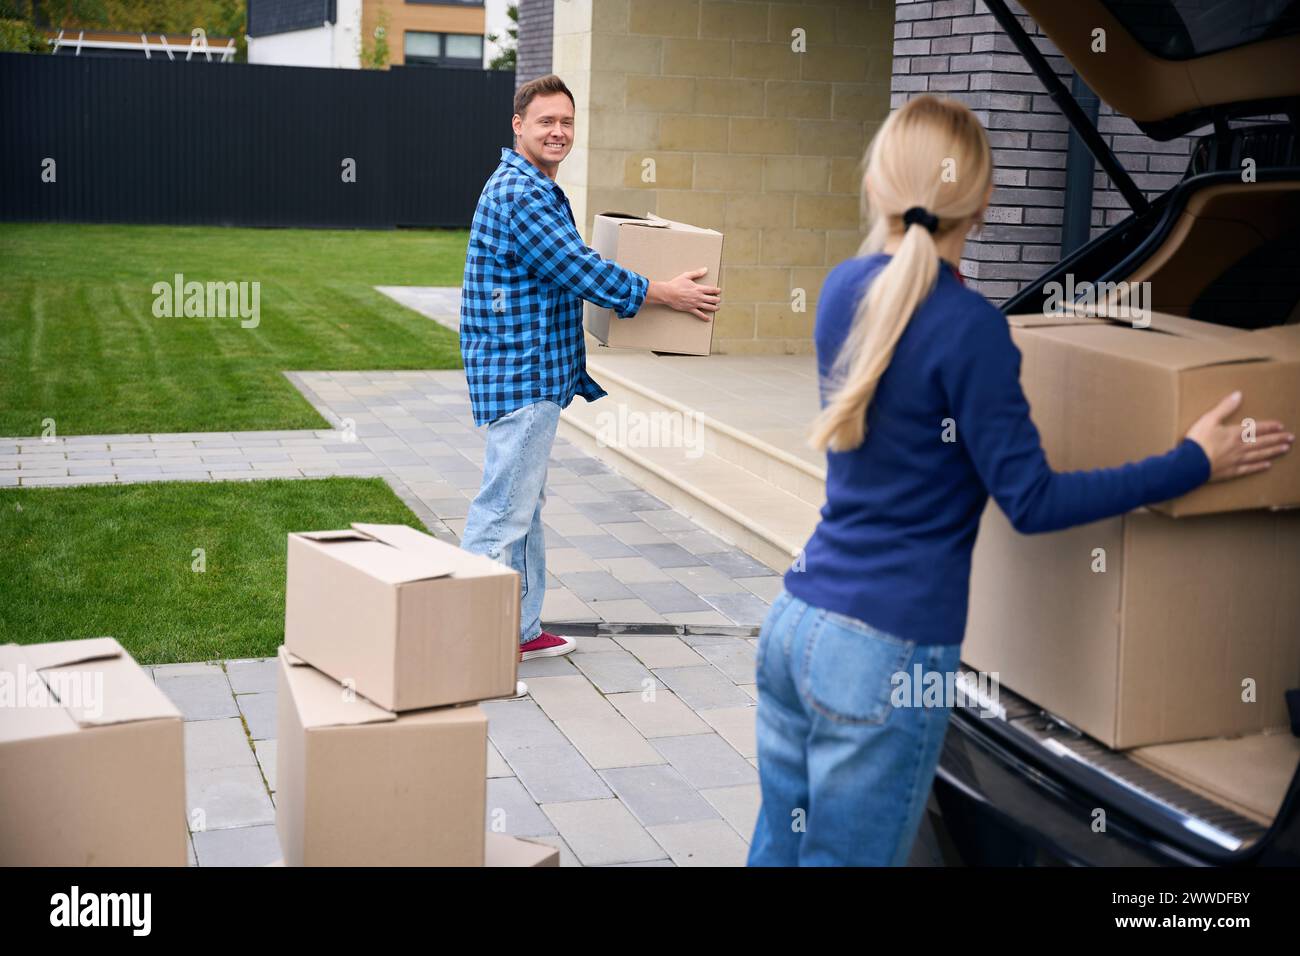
(751, 494)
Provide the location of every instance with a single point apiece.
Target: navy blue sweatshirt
(949, 425)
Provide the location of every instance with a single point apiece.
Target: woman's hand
(1225, 444)
(684, 294)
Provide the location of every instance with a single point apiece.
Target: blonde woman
(923, 418)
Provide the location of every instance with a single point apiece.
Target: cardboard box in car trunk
(358, 785)
(410, 621)
(1142, 629)
(92, 759)
(658, 249)
(1104, 393)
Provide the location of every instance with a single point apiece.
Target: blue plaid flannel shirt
(527, 272)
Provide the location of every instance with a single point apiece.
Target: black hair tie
(921, 215)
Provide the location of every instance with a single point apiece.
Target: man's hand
(684, 294)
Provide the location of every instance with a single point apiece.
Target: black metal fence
(113, 140)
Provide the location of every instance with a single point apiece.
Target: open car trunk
(1223, 247)
(1230, 256)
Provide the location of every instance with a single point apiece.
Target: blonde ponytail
(930, 153)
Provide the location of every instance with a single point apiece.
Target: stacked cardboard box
(391, 636)
(1172, 623)
(658, 249)
(92, 759)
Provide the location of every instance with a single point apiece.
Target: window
(443, 49)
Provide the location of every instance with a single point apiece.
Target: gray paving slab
(706, 761)
(735, 658)
(601, 546)
(510, 809)
(743, 608)
(200, 696)
(547, 667)
(227, 797)
(668, 596)
(601, 832)
(237, 846)
(259, 713)
(614, 672)
(546, 763)
(266, 759)
(658, 794)
(702, 688)
(252, 676)
(595, 585)
(702, 843)
(736, 564)
(218, 743)
(667, 555)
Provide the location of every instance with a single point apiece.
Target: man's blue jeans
(505, 518)
(844, 773)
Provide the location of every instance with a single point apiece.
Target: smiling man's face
(544, 134)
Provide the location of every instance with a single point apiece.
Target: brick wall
(956, 48)
(533, 58)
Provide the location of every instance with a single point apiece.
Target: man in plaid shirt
(527, 272)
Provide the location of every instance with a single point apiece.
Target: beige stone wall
(747, 135)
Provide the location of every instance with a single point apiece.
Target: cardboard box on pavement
(1103, 393)
(659, 249)
(409, 621)
(92, 759)
(359, 785)
(1143, 629)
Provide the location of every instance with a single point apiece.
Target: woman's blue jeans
(505, 518)
(845, 764)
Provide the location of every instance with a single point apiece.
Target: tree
(18, 31)
(374, 56)
(506, 59)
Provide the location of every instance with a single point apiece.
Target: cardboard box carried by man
(656, 248)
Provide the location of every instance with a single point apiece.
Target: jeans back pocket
(849, 667)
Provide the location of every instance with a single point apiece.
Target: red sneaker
(546, 644)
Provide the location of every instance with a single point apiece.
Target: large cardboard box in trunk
(92, 759)
(409, 621)
(359, 785)
(1103, 393)
(1143, 629)
(658, 249)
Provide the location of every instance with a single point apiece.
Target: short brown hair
(550, 83)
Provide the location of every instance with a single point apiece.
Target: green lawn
(79, 341)
(118, 560)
